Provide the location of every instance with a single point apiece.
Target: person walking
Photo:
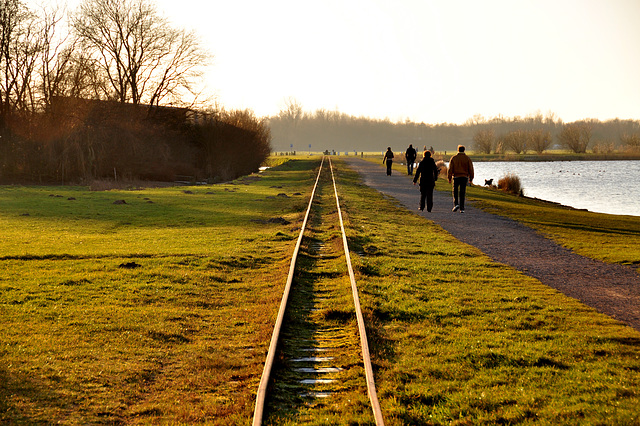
(410, 155)
(388, 157)
(427, 172)
(461, 171)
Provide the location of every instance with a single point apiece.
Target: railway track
(318, 364)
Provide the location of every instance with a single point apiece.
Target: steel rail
(266, 373)
(371, 385)
(271, 354)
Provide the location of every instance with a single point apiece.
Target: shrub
(631, 141)
(604, 147)
(233, 143)
(442, 169)
(82, 140)
(510, 183)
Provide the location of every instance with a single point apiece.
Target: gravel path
(611, 289)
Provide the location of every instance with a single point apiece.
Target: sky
(432, 61)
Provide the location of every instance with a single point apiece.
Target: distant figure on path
(388, 157)
(461, 171)
(427, 171)
(410, 155)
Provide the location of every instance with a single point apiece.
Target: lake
(599, 186)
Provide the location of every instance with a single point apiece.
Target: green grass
(320, 314)
(455, 337)
(181, 338)
(460, 339)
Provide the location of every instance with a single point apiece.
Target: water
(599, 186)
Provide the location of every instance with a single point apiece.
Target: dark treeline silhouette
(80, 140)
(294, 130)
(93, 102)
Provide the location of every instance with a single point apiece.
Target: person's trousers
(389, 163)
(410, 167)
(426, 193)
(459, 191)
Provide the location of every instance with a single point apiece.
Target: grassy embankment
(459, 338)
(454, 336)
(181, 338)
(610, 238)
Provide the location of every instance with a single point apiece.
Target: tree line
(294, 129)
(111, 89)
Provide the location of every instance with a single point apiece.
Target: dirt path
(611, 289)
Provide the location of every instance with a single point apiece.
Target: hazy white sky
(425, 60)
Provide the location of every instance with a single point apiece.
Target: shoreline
(613, 289)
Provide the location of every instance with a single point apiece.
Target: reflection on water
(598, 186)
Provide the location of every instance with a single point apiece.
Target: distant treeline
(296, 130)
(79, 140)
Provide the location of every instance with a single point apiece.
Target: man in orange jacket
(461, 171)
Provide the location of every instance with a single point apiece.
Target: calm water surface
(599, 186)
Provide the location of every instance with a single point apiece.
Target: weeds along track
(318, 366)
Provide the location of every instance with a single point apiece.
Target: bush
(631, 141)
(442, 169)
(604, 147)
(82, 140)
(233, 143)
(510, 183)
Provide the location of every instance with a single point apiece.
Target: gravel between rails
(611, 289)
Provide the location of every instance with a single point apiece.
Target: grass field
(179, 335)
(463, 340)
(160, 310)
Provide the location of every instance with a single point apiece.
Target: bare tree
(576, 136)
(17, 54)
(292, 111)
(144, 59)
(483, 141)
(291, 115)
(515, 141)
(539, 140)
(56, 55)
(9, 10)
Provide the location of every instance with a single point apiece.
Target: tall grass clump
(442, 168)
(510, 183)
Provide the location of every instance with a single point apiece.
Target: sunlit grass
(458, 338)
(180, 336)
(157, 310)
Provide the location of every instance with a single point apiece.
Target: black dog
(488, 182)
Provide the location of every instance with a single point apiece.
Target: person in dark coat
(410, 155)
(427, 172)
(388, 157)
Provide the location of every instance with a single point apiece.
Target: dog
(488, 182)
